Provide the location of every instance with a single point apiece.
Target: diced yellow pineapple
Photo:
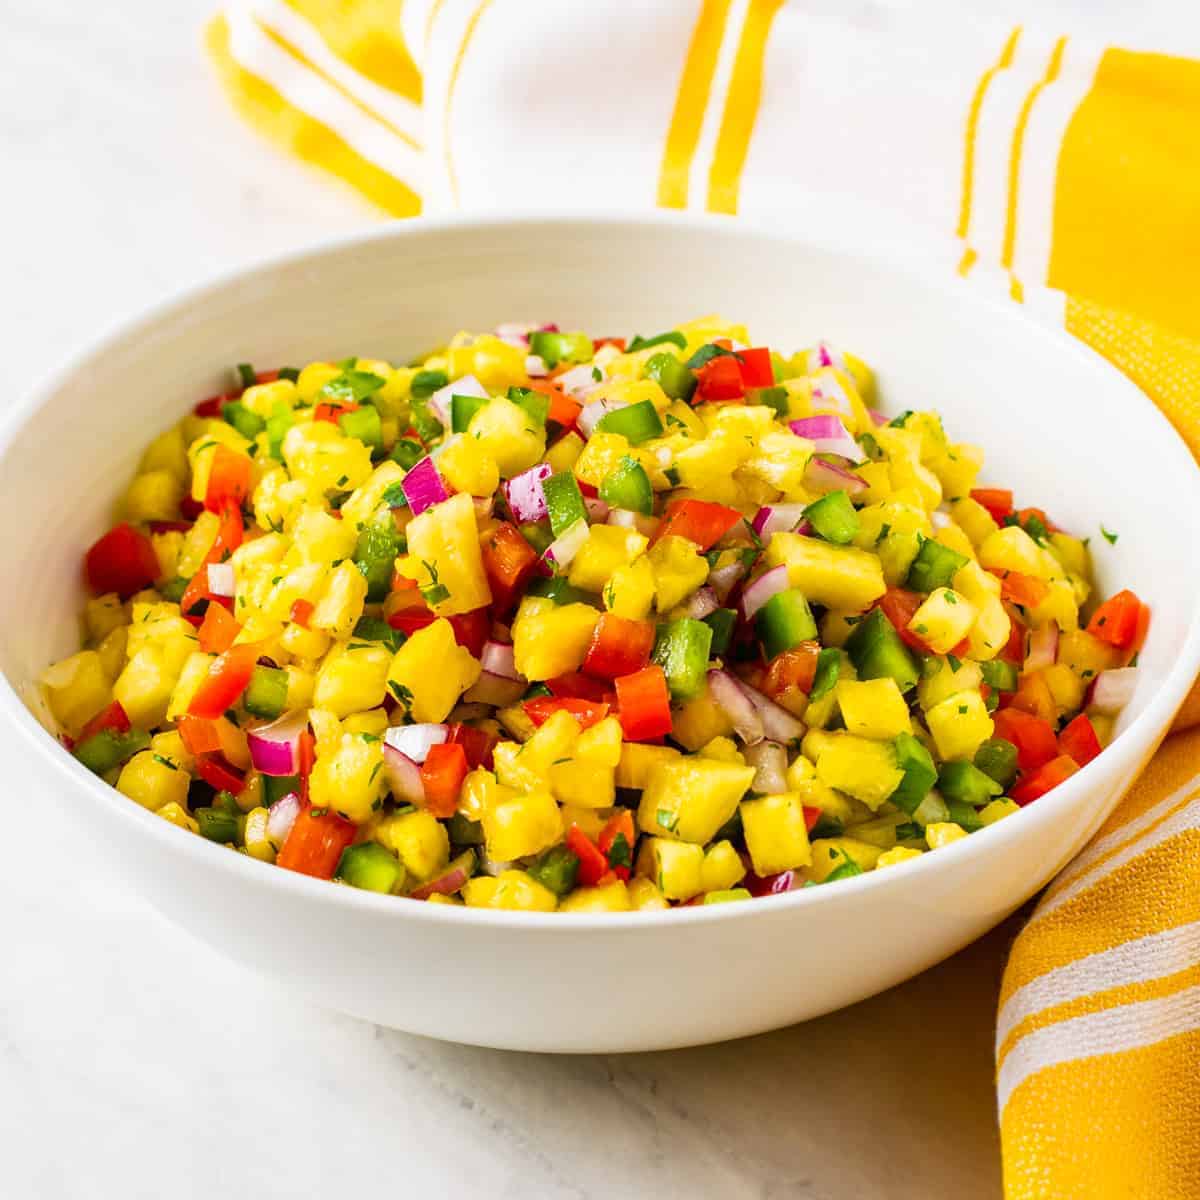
(374, 722)
(154, 780)
(514, 771)
(630, 591)
(521, 826)
(608, 897)
(200, 453)
(776, 833)
(897, 855)
(722, 867)
(277, 498)
(590, 820)
(781, 460)
(551, 639)
(691, 798)
(76, 689)
(675, 867)
(601, 744)
(341, 602)
(836, 576)
(583, 783)
(191, 675)
(1085, 654)
(313, 378)
(873, 708)
(1066, 687)
(258, 844)
(639, 761)
(957, 468)
(446, 539)
(989, 635)
(608, 548)
(945, 679)
(699, 720)
(942, 833)
(679, 570)
(145, 685)
(112, 650)
(943, 620)
(430, 671)
(644, 895)
(506, 432)
(830, 853)
(959, 724)
(723, 749)
(318, 536)
(467, 467)
(564, 454)
(497, 364)
(865, 769)
(1012, 549)
(512, 889)
(353, 678)
(103, 614)
(837, 625)
(997, 810)
(303, 643)
(350, 780)
(419, 840)
(168, 452)
(152, 496)
(175, 814)
(1060, 606)
(1072, 553)
(318, 454)
(601, 456)
(973, 519)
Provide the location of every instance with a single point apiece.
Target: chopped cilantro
(1110, 538)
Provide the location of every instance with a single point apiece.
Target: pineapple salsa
(543, 622)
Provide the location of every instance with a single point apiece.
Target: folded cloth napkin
(1064, 173)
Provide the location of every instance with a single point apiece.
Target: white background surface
(133, 1062)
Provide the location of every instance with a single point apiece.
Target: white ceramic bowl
(1059, 425)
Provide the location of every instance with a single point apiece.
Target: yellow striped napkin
(1064, 173)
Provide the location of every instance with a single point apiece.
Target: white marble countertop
(134, 1062)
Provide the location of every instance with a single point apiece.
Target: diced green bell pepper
(877, 652)
(266, 693)
(829, 670)
(109, 748)
(375, 556)
(376, 629)
(833, 517)
(218, 825)
(628, 486)
(557, 588)
(964, 814)
(370, 866)
(275, 787)
(934, 567)
(365, 425)
(248, 424)
(707, 353)
(425, 383)
(784, 622)
(462, 409)
(553, 348)
(173, 589)
(775, 398)
(564, 501)
(997, 758)
(846, 869)
(278, 423)
(556, 869)
(407, 452)
(919, 773)
(659, 339)
(682, 651)
(538, 534)
(999, 675)
(672, 376)
(722, 622)
(636, 423)
(536, 405)
(967, 784)
(463, 831)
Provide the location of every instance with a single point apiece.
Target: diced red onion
(496, 690)
(281, 816)
(220, 579)
(563, 549)
(778, 724)
(829, 435)
(275, 747)
(590, 415)
(757, 593)
(549, 327)
(824, 476)
(1043, 647)
(498, 658)
(515, 333)
(769, 885)
(423, 486)
(524, 493)
(825, 354)
(628, 519)
(724, 579)
(729, 696)
(827, 389)
(772, 518)
(769, 760)
(451, 880)
(439, 402)
(700, 603)
(877, 417)
(1113, 690)
(535, 366)
(581, 380)
(403, 775)
(597, 510)
(414, 741)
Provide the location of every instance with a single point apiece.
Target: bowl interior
(1058, 426)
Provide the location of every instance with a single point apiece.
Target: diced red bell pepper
(756, 368)
(1078, 739)
(644, 704)
(587, 712)
(998, 502)
(113, 717)
(266, 376)
(219, 773)
(899, 605)
(226, 680)
(477, 744)
(795, 668)
(619, 646)
(593, 866)
(508, 561)
(212, 406)
(315, 844)
(1119, 621)
(1026, 590)
(228, 480)
(442, 773)
(471, 629)
(302, 611)
(331, 412)
(230, 533)
(700, 521)
(168, 526)
(564, 409)
(616, 842)
(579, 687)
(1026, 513)
(1033, 695)
(720, 379)
(122, 561)
(199, 734)
(1013, 650)
(218, 630)
(1033, 737)
(619, 342)
(811, 817)
(1038, 782)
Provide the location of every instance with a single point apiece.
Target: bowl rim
(1141, 737)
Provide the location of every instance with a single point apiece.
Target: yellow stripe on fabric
(265, 109)
(1128, 903)
(968, 179)
(1114, 1126)
(451, 84)
(741, 108)
(1014, 164)
(1164, 365)
(1127, 191)
(691, 101)
(366, 35)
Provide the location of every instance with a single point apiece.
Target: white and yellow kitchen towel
(1064, 173)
